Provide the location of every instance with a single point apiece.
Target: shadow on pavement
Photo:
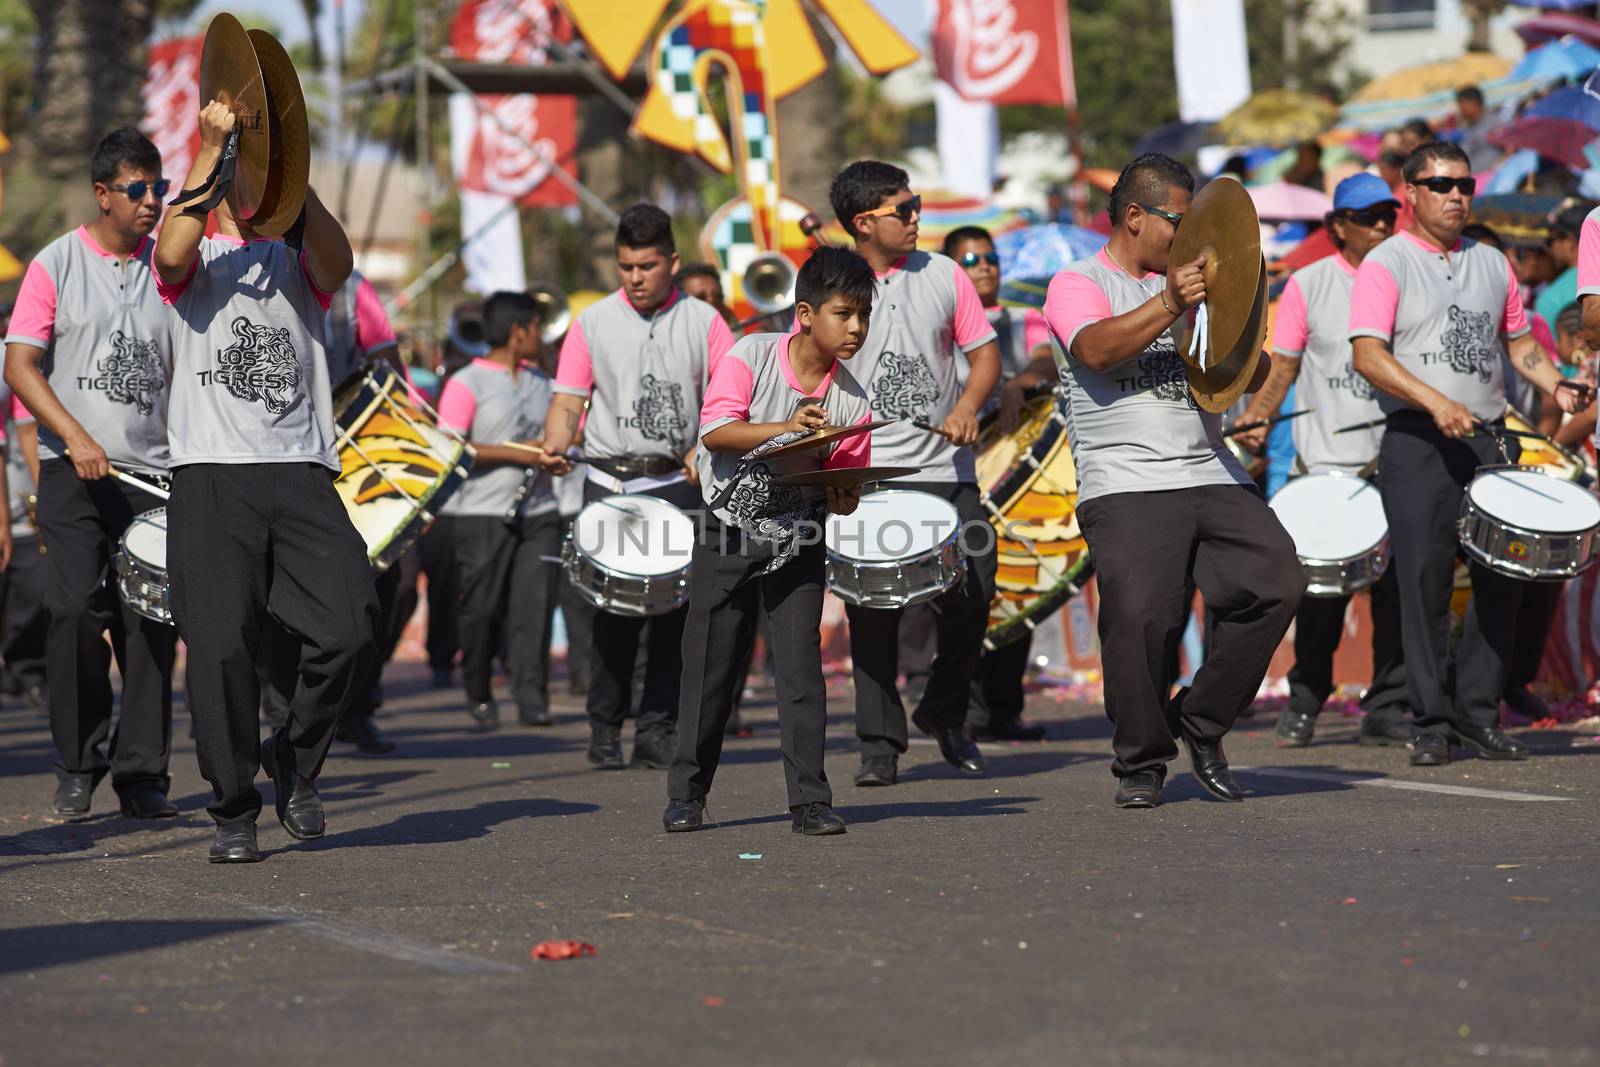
(31, 948)
(443, 827)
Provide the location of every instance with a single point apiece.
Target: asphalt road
(1352, 910)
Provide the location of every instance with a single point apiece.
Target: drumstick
(1256, 424)
(1501, 431)
(1373, 424)
(519, 446)
(149, 487)
(924, 424)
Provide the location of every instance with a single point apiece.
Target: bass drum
(1557, 460)
(1029, 489)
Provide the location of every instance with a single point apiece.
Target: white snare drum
(1527, 523)
(141, 564)
(899, 547)
(629, 555)
(1339, 530)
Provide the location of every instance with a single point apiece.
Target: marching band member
(1161, 500)
(88, 355)
(1427, 313)
(1311, 332)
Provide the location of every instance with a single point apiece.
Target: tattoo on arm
(1531, 360)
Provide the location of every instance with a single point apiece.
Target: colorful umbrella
(1429, 78)
(943, 211)
(1040, 251)
(1554, 5)
(1537, 30)
(1511, 173)
(1562, 140)
(1284, 202)
(1025, 292)
(1178, 139)
(1277, 117)
(1519, 218)
(1557, 61)
(1569, 103)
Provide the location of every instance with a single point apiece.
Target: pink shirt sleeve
(19, 413)
(1373, 302)
(1290, 330)
(34, 318)
(971, 324)
(719, 339)
(1541, 333)
(575, 372)
(323, 299)
(852, 451)
(457, 406)
(728, 393)
(1589, 255)
(1072, 302)
(1035, 331)
(373, 330)
(169, 293)
(1516, 316)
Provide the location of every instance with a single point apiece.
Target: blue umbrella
(1569, 103)
(1554, 5)
(1040, 251)
(1178, 139)
(1557, 61)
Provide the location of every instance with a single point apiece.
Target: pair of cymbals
(1222, 225)
(249, 71)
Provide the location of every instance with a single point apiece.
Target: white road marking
(366, 939)
(1391, 783)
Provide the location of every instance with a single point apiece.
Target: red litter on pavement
(561, 950)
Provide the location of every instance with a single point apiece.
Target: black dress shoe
(1211, 768)
(1430, 750)
(486, 715)
(816, 820)
(683, 816)
(1010, 730)
(235, 843)
(1141, 789)
(537, 717)
(655, 749)
(605, 748)
(298, 805)
(365, 735)
(72, 795)
(1492, 742)
(878, 771)
(1295, 728)
(147, 801)
(958, 750)
(1526, 703)
(1383, 733)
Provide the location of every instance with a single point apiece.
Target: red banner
(1006, 51)
(172, 104)
(518, 136)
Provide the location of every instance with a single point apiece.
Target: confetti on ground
(749, 855)
(714, 1002)
(1508, 866)
(500, 766)
(1348, 900)
(561, 950)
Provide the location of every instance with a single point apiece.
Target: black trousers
(269, 537)
(919, 640)
(1318, 627)
(81, 524)
(616, 647)
(1535, 616)
(963, 615)
(1424, 475)
(998, 694)
(436, 554)
(1147, 547)
(22, 592)
(507, 577)
(726, 597)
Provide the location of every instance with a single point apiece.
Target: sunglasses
(972, 259)
(1371, 216)
(904, 210)
(1175, 219)
(1442, 186)
(137, 190)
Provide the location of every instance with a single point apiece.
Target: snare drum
(141, 564)
(1339, 529)
(1527, 523)
(898, 548)
(630, 555)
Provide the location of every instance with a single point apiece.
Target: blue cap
(1361, 191)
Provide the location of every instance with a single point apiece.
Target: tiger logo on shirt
(658, 411)
(1162, 373)
(1470, 345)
(132, 374)
(260, 366)
(904, 387)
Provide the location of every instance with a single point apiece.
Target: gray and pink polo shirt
(1017, 332)
(104, 331)
(1313, 326)
(1443, 315)
(357, 327)
(490, 404)
(1589, 256)
(925, 313)
(756, 383)
(643, 373)
(250, 378)
(1134, 428)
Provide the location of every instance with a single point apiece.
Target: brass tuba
(769, 283)
(555, 315)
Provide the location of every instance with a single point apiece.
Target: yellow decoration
(870, 36)
(615, 30)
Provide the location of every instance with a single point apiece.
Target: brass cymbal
(826, 436)
(230, 72)
(1221, 223)
(289, 169)
(846, 477)
(1219, 385)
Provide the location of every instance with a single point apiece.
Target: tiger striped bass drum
(397, 465)
(1029, 489)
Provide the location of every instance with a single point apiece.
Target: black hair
(1146, 181)
(962, 234)
(832, 272)
(1433, 151)
(1469, 94)
(123, 145)
(696, 270)
(646, 226)
(504, 310)
(1484, 235)
(863, 186)
(1420, 127)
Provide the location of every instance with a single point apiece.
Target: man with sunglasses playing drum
(88, 354)
(1312, 330)
(1427, 313)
